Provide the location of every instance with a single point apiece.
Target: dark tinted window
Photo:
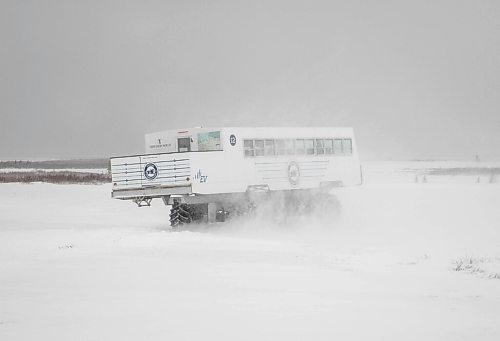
(259, 147)
(347, 146)
(248, 147)
(337, 146)
(184, 144)
(300, 147)
(309, 146)
(268, 147)
(320, 148)
(328, 146)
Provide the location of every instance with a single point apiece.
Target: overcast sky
(416, 79)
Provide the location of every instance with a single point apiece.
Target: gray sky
(416, 79)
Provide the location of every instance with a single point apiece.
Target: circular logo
(232, 140)
(150, 171)
(293, 173)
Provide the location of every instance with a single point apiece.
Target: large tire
(182, 213)
(174, 214)
(185, 214)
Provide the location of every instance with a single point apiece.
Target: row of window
(271, 147)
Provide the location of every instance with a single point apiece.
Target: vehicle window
(269, 147)
(329, 146)
(347, 146)
(209, 141)
(289, 147)
(259, 147)
(248, 147)
(280, 147)
(337, 146)
(320, 148)
(300, 147)
(309, 146)
(184, 144)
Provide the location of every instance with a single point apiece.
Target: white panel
(230, 170)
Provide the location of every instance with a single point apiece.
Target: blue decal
(232, 140)
(150, 171)
(200, 177)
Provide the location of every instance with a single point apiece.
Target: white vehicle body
(202, 163)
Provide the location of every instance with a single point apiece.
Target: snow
(403, 260)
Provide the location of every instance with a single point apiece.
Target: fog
(416, 79)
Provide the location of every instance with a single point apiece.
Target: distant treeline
(64, 177)
(460, 171)
(58, 164)
(464, 171)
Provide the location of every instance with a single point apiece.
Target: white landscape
(401, 260)
(217, 108)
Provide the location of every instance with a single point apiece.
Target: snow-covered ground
(77, 265)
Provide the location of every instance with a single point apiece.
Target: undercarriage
(188, 209)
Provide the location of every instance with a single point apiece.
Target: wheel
(185, 214)
(174, 214)
(180, 214)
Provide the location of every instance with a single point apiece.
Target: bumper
(150, 192)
